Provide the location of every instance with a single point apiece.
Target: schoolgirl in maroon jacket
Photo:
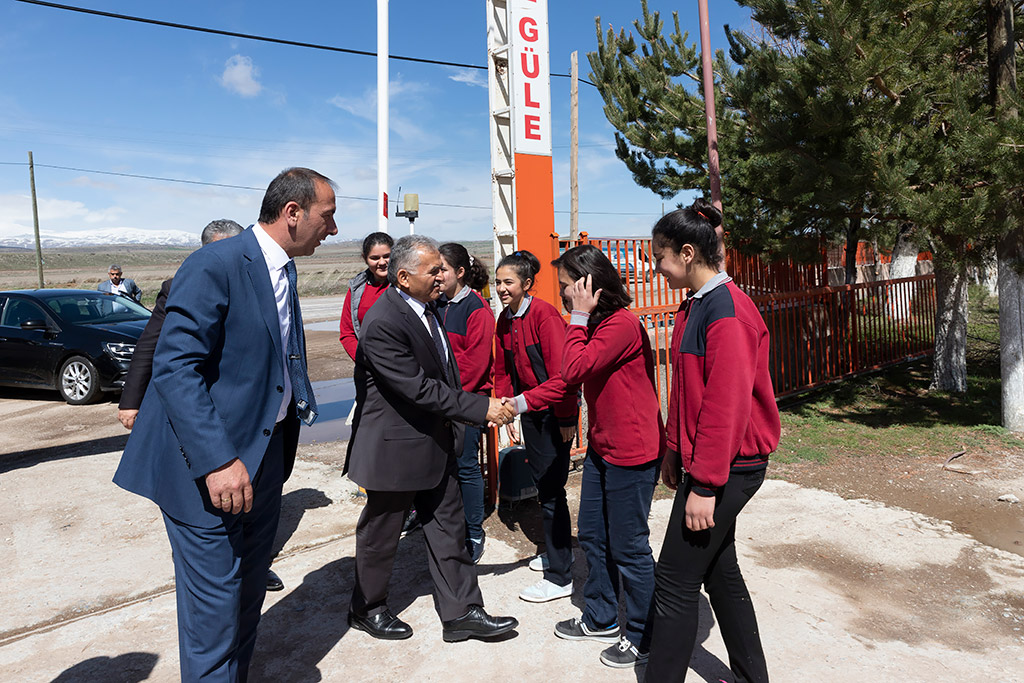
(609, 352)
(722, 425)
(364, 288)
(528, 366)
(469, 321)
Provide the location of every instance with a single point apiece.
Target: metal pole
(574, 148)
(708, 77)
(35, 218)
(382, 115)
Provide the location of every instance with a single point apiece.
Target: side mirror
(35, 325)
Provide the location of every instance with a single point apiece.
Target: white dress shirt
(420, 309)
(276, 260)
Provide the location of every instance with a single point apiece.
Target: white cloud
(241, 76)
(405, 96)
(469, 76)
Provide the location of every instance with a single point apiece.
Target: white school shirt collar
(721, 278)
(462, 294)
(524, 304)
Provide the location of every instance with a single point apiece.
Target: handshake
(500, 411)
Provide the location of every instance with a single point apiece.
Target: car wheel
(78, 382)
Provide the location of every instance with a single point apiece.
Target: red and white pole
(382, 115)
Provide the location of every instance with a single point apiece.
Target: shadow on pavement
(131, 667)
(21, 459)
(293, 505)
(704, 664)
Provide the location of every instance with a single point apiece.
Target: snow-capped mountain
(103, 236)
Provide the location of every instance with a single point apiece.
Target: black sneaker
(575, 629)
(412, 522)
(476, 548)
(624, 655)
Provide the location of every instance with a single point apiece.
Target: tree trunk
(1011, 328)
(1002, 72)
(950, 367)
(852, 237)
(904, 264)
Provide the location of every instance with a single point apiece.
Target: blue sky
(98, 93)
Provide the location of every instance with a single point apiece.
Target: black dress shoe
(274, 582)
(476, 623)
(385, 625)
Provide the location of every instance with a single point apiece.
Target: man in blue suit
(215, 437)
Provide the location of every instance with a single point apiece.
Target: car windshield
(86, 308)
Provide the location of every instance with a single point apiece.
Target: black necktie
(302, 390)
(435, 332)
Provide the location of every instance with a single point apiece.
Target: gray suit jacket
(409, 420)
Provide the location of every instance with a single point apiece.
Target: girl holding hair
(530, 334)
(722, 425)
(468, 319)
(364, 288)
(609, 352)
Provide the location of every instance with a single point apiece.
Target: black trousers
(689, 559)
(548, 456)
(444, 529)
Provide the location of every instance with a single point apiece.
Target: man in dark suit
(117, 284)
(216, 436)
(407, 428)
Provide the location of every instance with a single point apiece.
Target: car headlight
(120, 350)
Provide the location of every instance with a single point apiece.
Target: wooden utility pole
(708, 77)
(1002, 71)
(574, 148)
(35, 218)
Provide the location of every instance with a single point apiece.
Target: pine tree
(835, 117)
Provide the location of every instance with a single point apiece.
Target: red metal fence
(819, 334)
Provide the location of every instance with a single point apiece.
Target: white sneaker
(545, 591)
(539, 563)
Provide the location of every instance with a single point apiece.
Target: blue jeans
(471, 483)
(614, 504)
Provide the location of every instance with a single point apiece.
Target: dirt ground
(859, 569)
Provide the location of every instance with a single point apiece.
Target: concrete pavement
(845, 591)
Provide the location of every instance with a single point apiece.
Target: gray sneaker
(623, 655)
(575, 629)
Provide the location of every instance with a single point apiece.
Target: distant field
(325, 273)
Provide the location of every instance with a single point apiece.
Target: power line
(261, 189)
(265, 39)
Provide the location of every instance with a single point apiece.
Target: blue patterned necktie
(302, 391)
(435, 332)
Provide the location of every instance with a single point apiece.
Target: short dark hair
(458, 257)
(586, 259)
(525, 265)
(693, 225)
(374, 239)
(220, 228)
(291, 185)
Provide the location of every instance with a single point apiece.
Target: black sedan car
(77, 341)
